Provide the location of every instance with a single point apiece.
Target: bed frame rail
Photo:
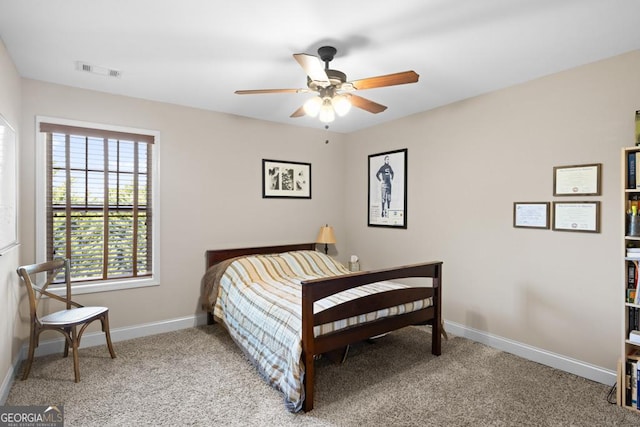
(314, 290)
(344, 337)
(370, 303)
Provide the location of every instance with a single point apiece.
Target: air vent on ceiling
(95, 69)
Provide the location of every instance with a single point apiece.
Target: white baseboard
(97, 338)
(563, 363)
(8, 379)
(557, 361)
(120, 334)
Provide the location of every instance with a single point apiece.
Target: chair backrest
(35, 292)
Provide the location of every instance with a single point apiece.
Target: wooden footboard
(314, 290)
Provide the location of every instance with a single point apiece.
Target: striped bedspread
(258, 299)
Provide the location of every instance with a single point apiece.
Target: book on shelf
(631, 170)
(632, 319)
(627, 383)
(637, 169)
(634, 384)
(634, 336)
(637, 127)
(631, 378)
(636, 299)
(636, 282)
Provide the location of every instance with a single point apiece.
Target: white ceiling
(198, 52)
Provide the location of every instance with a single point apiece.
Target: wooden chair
(65, 321)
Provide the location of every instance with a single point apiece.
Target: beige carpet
(199, 377)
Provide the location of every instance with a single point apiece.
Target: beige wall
(210, 189)
(9, 287)
(468, 162)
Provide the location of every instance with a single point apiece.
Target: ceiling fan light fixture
(332, 91)
(312, 106)
(326, 114)
(341, 104)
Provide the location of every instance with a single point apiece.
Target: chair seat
(74, 315)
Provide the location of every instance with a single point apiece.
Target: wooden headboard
(214, 256)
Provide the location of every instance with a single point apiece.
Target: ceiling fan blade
(312, 66)
(257, 91)
(366, 104)
(387, 80)
(298, 113)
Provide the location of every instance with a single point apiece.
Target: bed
(286, 305)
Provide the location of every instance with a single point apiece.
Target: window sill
(79, 288)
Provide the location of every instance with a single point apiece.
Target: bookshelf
(630, 357)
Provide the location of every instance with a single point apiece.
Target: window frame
(82, 287)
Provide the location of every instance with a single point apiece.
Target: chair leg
(32, 350)
(444, 333)
(66, 342)
(107, 334)
(74, 344)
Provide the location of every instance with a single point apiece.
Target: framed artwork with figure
(387, 199)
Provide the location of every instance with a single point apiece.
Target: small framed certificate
(531, 214)
(578, 180)
(576, 216)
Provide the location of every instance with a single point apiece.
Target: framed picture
(286, 179)
(531, 214)
(576, 216)
(578, 180)
(387, 177)
(8, 187)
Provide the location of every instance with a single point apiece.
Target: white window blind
(99, 201)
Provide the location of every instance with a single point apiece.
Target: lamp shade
(341, 104)
(312, 106)
(326, 113)
(326, 235)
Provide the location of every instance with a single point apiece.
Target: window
(99, 203)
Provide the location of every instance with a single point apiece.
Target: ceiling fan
(334, 93)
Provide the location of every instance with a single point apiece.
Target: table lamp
(326, 236)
